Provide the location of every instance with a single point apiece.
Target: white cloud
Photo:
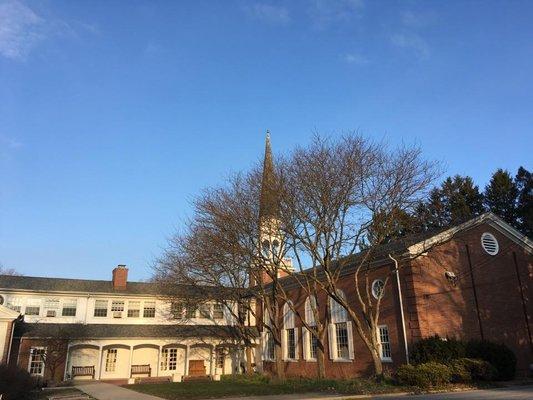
(356, 59)
(20, 29)
(325, 12)
(269, 13)
(411, 41)
(7, 142)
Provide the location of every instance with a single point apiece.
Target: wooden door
(196, 368)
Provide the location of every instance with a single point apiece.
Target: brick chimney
(120, 277)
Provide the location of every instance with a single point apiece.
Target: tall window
(149, 309)
(310, 340)
(218, 311)
(384, 343)
(111, 360)
(134, 309)
(100, 308)
(15, 303)
(69, 308)
(169, 359)
(220, 357)
(340, 331)
(290, 332)
(270, 346)
(37, 359)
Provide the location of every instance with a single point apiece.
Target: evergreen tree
(524, 185)
(501, 195)
(455, 201)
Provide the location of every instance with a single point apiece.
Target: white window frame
(134, 306)
(96, 301)
(69, 304)
(307, 336)
(379, 336)
(288, 327)
(147, 306)
(339, 315)
(374, 292)
(268, 338)
(41, 362)
(169, 359)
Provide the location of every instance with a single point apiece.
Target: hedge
(427, 375)
(446, 351)
(15, 383)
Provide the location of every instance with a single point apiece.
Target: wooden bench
(141, 370)
(83, 371)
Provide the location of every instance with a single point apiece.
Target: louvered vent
(489, 243)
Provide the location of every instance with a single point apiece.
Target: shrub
(15, 383)
(468, 369)
(430, 374)
(438, 350)
(499, 355)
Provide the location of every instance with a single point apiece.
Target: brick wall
(24, 356)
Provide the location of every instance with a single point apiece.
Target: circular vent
(1, 300)
(489, 243)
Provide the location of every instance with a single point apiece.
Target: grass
(260, 386)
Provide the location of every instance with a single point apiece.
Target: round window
(489, 244)
(378, 288)
(1, 300)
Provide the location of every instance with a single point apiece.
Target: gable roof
(64, 285)
(414, 245)
(7, 314)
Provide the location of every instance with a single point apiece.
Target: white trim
(489, 218)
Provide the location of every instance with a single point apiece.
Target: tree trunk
(320, 363)
(280, 365)
(249, 355)
(378, 365)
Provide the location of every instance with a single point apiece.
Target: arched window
(310, 341)
(340, 331)
(290, 333)
(275, 248)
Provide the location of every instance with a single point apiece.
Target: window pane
(100, 308)
(342, 340)
(291, 344)
(218, 311)
(117, 305)
(37, 361)
(385, 342)
(32, 310)
(111, 360)
(149, 309)
(134, 309)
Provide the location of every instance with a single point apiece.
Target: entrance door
(196, 368)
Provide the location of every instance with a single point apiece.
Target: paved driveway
(107, 391)
(510, 393)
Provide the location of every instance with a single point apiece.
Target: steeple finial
(268, 206)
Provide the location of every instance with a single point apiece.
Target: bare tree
(8, 271)
(332, 195)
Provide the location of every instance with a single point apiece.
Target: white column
(100, 360)
(186, 372)
(129, 363)
(67, 361)
(211, 363)
(158, 366)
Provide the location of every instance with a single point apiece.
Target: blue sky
(115, 114)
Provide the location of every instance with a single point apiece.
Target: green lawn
(258, 386)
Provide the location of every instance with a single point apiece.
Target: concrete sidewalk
(107, 391)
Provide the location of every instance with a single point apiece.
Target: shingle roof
(35, 283)
(89, 331)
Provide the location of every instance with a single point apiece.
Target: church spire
(268, 201)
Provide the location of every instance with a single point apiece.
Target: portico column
(129, 362)
(158, 366)
(100, 361)
(211, 363)
(66, 363)
(187, 349)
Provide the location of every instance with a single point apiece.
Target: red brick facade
(23, 350)
(497, 288)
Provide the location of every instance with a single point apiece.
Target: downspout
(475, 292)
(402, 316)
